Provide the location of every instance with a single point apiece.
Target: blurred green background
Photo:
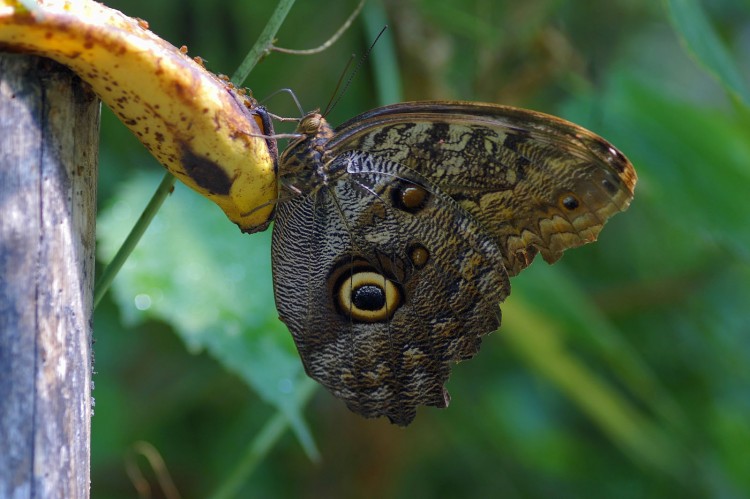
(622, 371)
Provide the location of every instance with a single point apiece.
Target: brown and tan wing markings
(450, 295)
(536, 182)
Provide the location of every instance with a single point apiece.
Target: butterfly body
(402, 227)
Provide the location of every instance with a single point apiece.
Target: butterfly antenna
(338, 84)
(330, 106)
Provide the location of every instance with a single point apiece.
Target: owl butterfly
(396, 234)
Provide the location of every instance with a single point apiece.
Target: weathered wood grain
(49, 127)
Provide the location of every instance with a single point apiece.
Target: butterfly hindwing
(380, 225)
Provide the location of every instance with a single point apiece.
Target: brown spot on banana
(199, 127)
(206, 173)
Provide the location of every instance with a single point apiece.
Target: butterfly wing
(536, 182)
(383, 282)
(395, 250)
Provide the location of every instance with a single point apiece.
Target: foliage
(622, 371)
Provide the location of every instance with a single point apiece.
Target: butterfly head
(305, 156)
(310, 125)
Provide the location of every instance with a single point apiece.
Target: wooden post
(49, 129)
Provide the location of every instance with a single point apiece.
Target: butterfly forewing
(536, 182)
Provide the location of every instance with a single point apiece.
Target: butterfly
(397, 233)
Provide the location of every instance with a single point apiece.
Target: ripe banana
(199, 126)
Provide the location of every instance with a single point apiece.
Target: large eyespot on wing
(538, 183)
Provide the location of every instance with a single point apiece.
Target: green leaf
(199, 273)
(692, 164)
(384, 60)
(566, 303)
(702, 41)
(534, 336)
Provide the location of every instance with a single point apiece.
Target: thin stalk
(111, 270)
(328, 42)
(264, 43)
(259, 447)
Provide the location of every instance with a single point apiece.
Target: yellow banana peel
(201, 128)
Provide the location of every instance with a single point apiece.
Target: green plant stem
(261, 445)
(264, 42)
(111, 270)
